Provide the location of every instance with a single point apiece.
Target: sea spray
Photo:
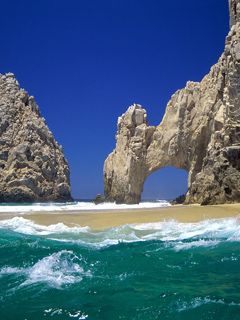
(79, 206)
(164, 270)
(58, 269)
(203, 233)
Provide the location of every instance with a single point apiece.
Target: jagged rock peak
(134, 116)
(234, 9)
(200, 132)
(32, 164)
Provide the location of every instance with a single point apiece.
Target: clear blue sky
(86, 61)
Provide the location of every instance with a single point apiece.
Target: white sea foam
(172, 230)
(194, 244)
(79, 206)
(181, 236)
(25, 226)
(199, 301)
(10, 270)
(58, 311)
(58, 269)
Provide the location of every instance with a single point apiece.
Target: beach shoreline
(104, 219)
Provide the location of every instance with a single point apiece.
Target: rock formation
(200, 132)
(32, 164)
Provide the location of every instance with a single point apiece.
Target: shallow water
(165, 270)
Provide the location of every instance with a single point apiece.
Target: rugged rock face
(200, 132)
(32, 164)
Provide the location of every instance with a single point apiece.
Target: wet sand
(111, 218)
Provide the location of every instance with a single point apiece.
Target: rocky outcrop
(32, 164)
(200, 132)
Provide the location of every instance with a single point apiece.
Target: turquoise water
(149, 271)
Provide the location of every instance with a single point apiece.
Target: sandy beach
(111, 218)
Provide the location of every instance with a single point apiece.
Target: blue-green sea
(165, 270)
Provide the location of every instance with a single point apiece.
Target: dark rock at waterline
(179, 200)
(99, 199)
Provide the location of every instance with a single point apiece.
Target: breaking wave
(79, 206)
(180, 235)
(58, 269)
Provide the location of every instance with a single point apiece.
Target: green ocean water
(155, 271)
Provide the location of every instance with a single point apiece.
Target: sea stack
(32, 164)
(200, 132)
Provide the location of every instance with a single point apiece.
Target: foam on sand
(177, 234)
(79, 206)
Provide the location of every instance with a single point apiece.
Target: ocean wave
(10, 270)
(195, 244)
(58, 269)
(79, 206)
(181, 236)
(58, 311)
(227, 228)
(26, 226)
(199, 301)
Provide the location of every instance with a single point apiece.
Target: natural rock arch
(200, 132)
(140, 151)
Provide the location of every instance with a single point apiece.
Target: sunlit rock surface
(32, 164)
(200, 132)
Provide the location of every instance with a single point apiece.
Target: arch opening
(166, 183)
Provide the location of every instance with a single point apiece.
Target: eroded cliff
(200, 132)
(32, 164)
